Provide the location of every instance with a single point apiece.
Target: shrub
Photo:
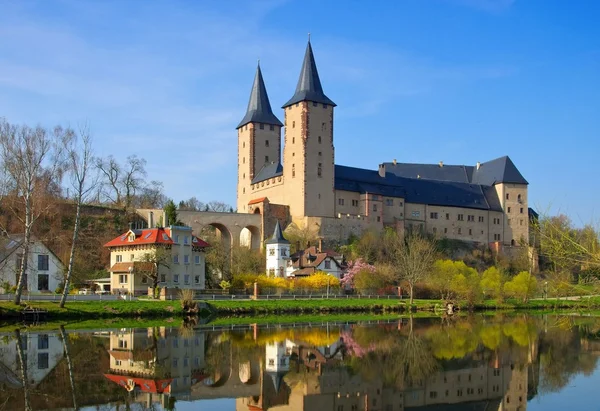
(186, 297)
(522, 286)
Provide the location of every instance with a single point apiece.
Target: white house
(280, 263)
(278, 253)
(42, 352)
(44, 273)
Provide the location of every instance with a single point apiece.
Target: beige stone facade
(485, 203)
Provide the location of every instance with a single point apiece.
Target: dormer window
(131, 238)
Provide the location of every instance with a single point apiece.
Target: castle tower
(259, 140)
(278, 253)
(308, 152)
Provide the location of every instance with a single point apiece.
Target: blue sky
(459, 81)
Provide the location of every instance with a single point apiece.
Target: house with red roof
(182, 262)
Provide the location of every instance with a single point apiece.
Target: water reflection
(480, 363)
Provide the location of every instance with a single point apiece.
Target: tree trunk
(410, 286)
(65, 340)
(26, 239)
(67, 283)
(23, 364)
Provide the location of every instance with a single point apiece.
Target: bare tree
(33, 160)
(191, 204)
(121, 183)
(413, 256)
(67, 352)
(111, 172)
(23, 365)
(218, 206)
(151, 196)
(80, 164)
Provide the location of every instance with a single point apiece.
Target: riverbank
(90, 310)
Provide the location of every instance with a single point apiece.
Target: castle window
(470, 218)
(459, 230)
(244, 160)
(340, 201)
(283, 252)
(507, 196)
(266, 143)
(378, 219)
(293, 154)
(262, 126)
(416, 214)
(272, 251)
(512, 242)
(470, 232)
(319, 170)
(461, 217)
(521, 222)
(322, 126)
(271, 127)
(521, 210)
(355, 203)
(315, 104)
(447, 216)
(244, 175)
(481, 219)
(324, 105)
(266, 159)
(319, 139)
(293, 140)
(272, 272)
(293, 170)
(508, 210)
(374, 207)
(519, 197)
(445, 230)
(389, 202)
(244, 144)
(433, 216)
(320, 154)
(293, 124)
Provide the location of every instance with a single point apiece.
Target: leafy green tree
(442, 275)
(171, 213)
(491, 282)
(466, 283)
(522, 286)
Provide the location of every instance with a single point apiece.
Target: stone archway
(250, 237)
(222, 233)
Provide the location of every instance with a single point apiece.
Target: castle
(484, 203)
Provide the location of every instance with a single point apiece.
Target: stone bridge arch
(233, 228)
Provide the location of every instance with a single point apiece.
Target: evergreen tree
(170, 213)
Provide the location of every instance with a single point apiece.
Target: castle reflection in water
(394, 365)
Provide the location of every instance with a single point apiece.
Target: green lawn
(96, 309)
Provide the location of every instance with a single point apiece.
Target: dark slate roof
(259, 108)
(429, 171)
(309, 86)
(500, 170)
(277, 237)
(482, 405)
(269, 170)
(416, 190)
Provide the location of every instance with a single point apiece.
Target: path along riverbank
(81, 310)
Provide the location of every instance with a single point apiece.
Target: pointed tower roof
(278, 237)
(309, 86)
(259, 108)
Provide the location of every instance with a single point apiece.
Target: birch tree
(80, 166)
(32, 160)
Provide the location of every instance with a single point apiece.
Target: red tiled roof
(198, 242)
(146, 236)
(257, 200)
(121, 355)
(144, 384)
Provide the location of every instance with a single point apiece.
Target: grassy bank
(79, 310)
(98, 310)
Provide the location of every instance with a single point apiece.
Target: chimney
(131, 226)
(320, 245)
(382, 170)
(478, 165)
(441, 164)
(394, 162)
(150, 219)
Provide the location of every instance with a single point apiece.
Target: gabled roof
(145, 236)
(309, 85)
(198, 242)
(311, 258)
(155, 386)
(259, 107)
(500, 170)
(416, 190)
(269, 170)
(277, 237)
(14, 242)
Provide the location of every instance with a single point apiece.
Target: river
(483, 362)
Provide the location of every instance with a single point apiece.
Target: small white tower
(277, 356)
(278, 253)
